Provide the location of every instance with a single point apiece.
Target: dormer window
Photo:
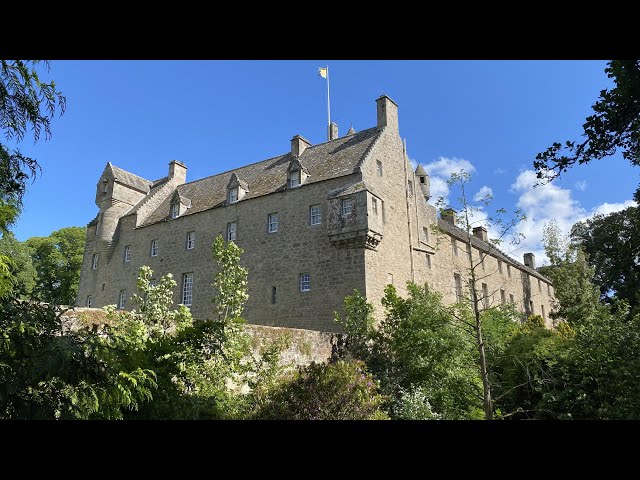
(294, 179)
(175, 210)
(233, 195)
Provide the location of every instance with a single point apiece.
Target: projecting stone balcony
(356, 239)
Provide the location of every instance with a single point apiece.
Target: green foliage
(614, 125)
(571, 276)
(612, 246)
(20, 273)
(336, 391)
(230, 282)
(26, 103)
(58, 260)
(418, 351)
(49, 372)
(358, 322)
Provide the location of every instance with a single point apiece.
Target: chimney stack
(298, 145)
(177, 172)
(387, 113)
(333, 131)
(530, 260)
(449, 215)
(481, 233)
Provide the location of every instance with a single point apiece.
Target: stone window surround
(154, 248)
(305, 282)
(317, 216)
(272, 222)
(122, 299)
(187, 289)
(191, 240)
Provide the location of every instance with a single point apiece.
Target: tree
(572, 277)
(58, 260)
(422, 359)
(612, 246)
(21, 272)
(26, 103)
(469, 315)
(615, 124)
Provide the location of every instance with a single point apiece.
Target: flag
(322, 71)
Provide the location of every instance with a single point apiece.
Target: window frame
(191, 240)
(175, 210)
(311, 215)
(154, 248)
(94, 261)
(127, 254)
(295, 174)
(233, 230)
(343, 210)
(185, 283)
(122, 299)
(305, 281)
(379, 170)
(272, 227)
(230, 195)
(89, 301)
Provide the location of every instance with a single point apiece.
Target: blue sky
(489, 117)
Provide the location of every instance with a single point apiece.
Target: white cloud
(482, 193)
(499, 171)
(581, 185)
(440, 171)
(544, 203)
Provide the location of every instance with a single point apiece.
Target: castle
(315, 223)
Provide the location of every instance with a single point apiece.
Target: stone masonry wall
(273, 259)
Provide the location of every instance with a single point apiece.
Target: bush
(337, 391)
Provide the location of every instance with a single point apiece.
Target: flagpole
(328, 108)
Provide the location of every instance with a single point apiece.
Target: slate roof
(482, 245)
(131, 180)
(324, 161)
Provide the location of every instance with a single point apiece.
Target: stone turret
(425, 182)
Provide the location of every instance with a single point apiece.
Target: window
(422, 179)
(485, 295)
(428, 261)
(457, 280)
(511, 299)
(305, 282)
(94, 263)
(379, 167)
(294, 179)
(175, 210)
(454, 246)
(103, 285)
(500, 266)
(389, 278)
(508, 270)
(89, 301)
(347, 207)
(105, 186)
(127, 253)
(410, 188)
(539, 285)
(425, 234)
(191, 240)
(273, 295)
(233, 195)
(122, 299)
(273, 222)
(503, 297)
(374, 206)
(154, 248)
(231, 232)
(542, 310)
(187, 289)
(315, 217)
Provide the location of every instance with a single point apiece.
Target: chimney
(530, 260)
(387, 113)
(177, 172)
(333, 131)
(449, 215)
(298, 145)
(481, 233)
